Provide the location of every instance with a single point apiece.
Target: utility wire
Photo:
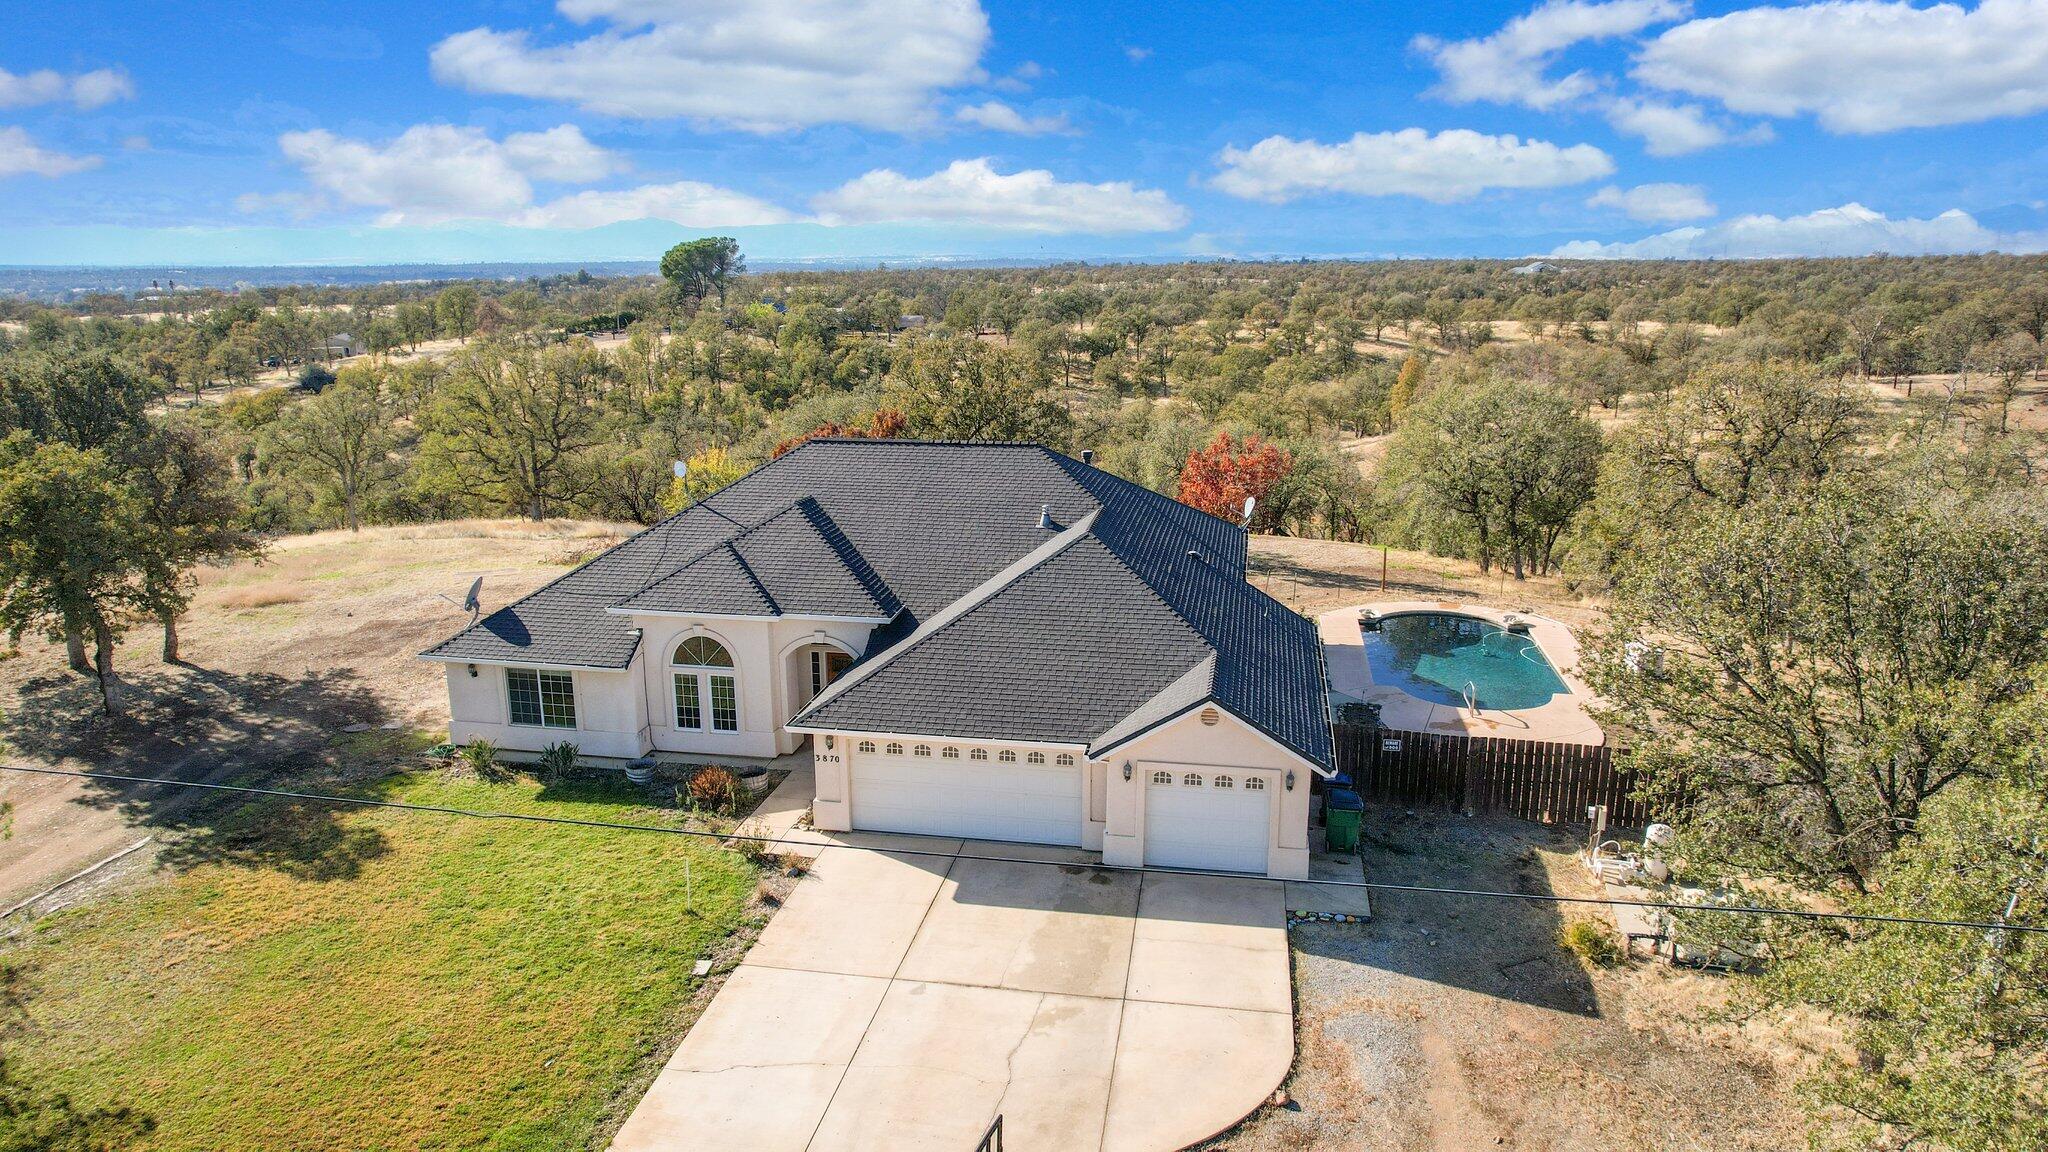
(1372, 885)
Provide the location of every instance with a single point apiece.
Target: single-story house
(978, 639)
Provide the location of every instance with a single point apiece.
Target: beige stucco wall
(611, 714)
(1229, 743)
(770, 687)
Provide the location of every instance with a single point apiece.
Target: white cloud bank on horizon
(1455, 164)
(439, 173)
(1850, 230)
(754, 65)
(1862, 66)
(1656, 203)
(22, 156)
(84, 90)
(972, 193)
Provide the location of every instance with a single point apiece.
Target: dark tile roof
(794, 563)
(1063, 636)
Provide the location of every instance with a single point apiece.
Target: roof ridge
(1031, 561)
(747, 570)
(708, 549)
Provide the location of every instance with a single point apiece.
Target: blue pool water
(1433, 655)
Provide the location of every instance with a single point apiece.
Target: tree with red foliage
(1218, 478)
(887, 424)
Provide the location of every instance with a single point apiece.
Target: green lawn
(383, 979)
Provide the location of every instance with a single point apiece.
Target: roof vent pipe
(1045, 515)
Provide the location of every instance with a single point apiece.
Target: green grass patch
(378, 979)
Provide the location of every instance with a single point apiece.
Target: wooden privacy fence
(1533, 779)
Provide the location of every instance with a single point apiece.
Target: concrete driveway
(902, 1002)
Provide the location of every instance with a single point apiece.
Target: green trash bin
(1342, 812)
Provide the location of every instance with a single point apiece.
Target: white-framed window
(894, 749)
(1225, 782)
(921, 750)
(1035, 758)
(1162, 777)
(1064, 760)
(539, 699)
(977, 753)
(706, 687)
(1192, 780)
(1254, 784)
(1007, 756)
(867, 745)
(949, 753)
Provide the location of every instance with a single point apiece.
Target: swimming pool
(1434, 655)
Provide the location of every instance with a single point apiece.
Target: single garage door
(1204, 818)
(986, 799)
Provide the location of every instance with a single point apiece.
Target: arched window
(977, 753)
(707, 692)
(895, 749)
(867, 745)
(1254, 784)
(1007, 756)
(1192, 780)
(1225, 782)
(1064, 760)
(921, 750)
(949, 753)
(1035, 758)
(1162, 777)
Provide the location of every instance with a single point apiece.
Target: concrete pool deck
(1561, 720)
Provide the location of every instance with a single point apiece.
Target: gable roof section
(794, 563)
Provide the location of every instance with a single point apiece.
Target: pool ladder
(1471, 693)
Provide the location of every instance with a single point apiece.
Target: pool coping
(1563, 719)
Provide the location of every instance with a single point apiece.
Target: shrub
(315, 378)
(557, 760)
(1591, 943)
(714, 789)
(479, 756)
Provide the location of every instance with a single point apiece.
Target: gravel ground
(1453, 1023)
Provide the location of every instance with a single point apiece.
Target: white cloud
(1862, 66)
(437, 173)
(1677, 129)
(685, 202)
(1136, 54)
(1508, 67)
(756, 65)
(85, 90)
(21, 156)
(1456, 164)
(1656, 203)
(997, 116)
(1851, 230)
(973, 193)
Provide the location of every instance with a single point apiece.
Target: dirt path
(282, 657)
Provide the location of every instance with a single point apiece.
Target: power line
(1371, 885)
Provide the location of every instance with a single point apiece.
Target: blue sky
(146, 133)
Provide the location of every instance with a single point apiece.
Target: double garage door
(1206, 818)
(981, 799)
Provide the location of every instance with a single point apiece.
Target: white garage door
(987, 799)
(1203, 818)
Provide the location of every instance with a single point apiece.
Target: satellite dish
(1250, 502)
(681, 468)
(472, 602)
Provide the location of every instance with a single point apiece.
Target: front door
(827, 665)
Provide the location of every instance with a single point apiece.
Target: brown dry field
(1450, 1024)
(1314, 576)
(280, 656)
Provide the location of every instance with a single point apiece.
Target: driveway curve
(903, 1002)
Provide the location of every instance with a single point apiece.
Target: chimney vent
(1045, 515)
(1088, 456)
